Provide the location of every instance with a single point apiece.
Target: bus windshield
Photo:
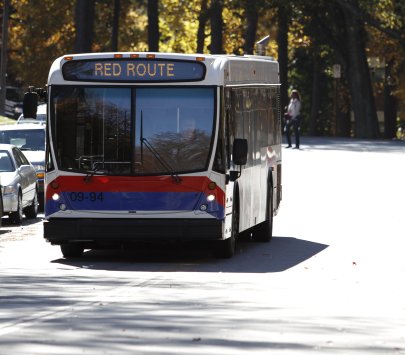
(132, 131)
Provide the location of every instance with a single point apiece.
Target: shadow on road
(25, 222)
(279, 255)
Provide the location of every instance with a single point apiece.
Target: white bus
(158, 147)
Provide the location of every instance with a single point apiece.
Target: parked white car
(30, 138)
(19, 184)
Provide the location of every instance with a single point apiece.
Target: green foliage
(179, 25)
(40, 32)
(6, 120)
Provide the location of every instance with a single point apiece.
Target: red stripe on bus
(132, 184)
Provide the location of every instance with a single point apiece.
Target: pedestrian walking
(294, 119)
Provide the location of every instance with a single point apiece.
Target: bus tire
(226, 248)
(72, 250)
(263, 232)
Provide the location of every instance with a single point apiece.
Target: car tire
(17, 216)
(32, 210)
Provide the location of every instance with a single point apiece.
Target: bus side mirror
(30, 105)
(240, 151)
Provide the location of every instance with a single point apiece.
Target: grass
(6, 120)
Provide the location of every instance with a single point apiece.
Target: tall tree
(388, 18)
(202, 21)
(252, 16)
(284, 13)
(321, 25)
(84, 20)
(341, 28)
(4, 55)
(217, 26)
(115, 26)
(361, 91)
(390, 102)
(315, 94)
(153, 25)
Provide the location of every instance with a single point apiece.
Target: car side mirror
(30, 104)
(240, 151)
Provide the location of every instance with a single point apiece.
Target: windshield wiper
(155, 153)
(91, 173)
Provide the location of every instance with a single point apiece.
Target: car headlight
(10, 189)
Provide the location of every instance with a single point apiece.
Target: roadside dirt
(29, 228)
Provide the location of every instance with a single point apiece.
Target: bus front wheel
(226, 248)
(71, 250)
(263, 232)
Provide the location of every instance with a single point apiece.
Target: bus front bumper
(99, 232)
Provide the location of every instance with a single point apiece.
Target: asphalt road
(330, 282)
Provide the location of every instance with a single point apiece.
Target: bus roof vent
(261, 45)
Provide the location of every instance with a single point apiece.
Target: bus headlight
(203, 207)
(210, 198)
(55, 197)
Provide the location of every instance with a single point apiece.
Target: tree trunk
(153, 25)
(361, 91)
(4, 54)
(344, 128)
(217, 25)
(115, 26)
(84, 20)
(252, 16)
(315, 95)
(282, 41)
(202, 21)
(390, 105)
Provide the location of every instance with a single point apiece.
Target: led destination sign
(134, 70)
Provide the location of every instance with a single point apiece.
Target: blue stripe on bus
(134, 201)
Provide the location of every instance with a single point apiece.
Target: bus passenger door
(229, 187)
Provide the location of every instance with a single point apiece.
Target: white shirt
(294, 107)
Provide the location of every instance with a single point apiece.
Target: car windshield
(132, 131)
(25, 139)
(6, 165)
